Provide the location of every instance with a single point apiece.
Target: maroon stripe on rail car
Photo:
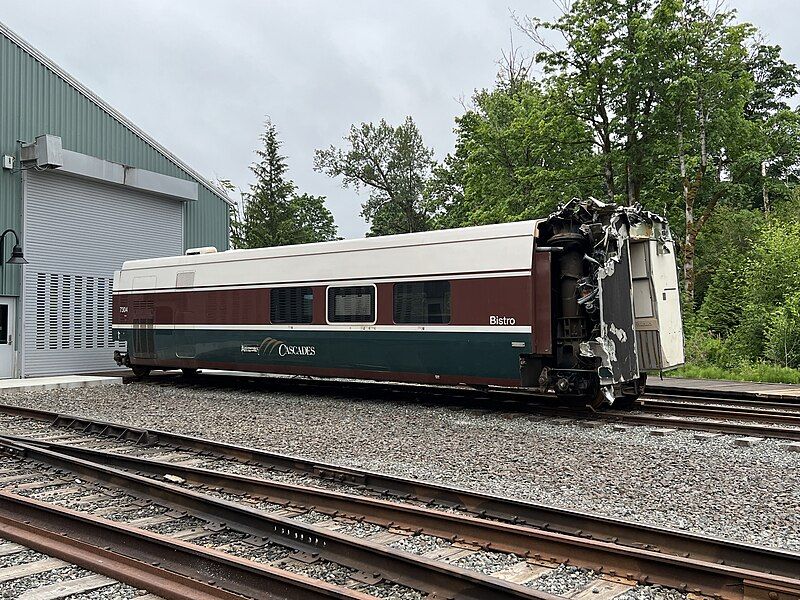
(473, 302)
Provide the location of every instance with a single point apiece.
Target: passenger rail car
(583, 302)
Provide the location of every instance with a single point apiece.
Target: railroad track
(722, 396)
(26, 573)
(268, 517)
(742, 411)
(783, 404)
(739, 417)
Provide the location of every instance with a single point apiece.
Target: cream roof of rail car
(505, 247)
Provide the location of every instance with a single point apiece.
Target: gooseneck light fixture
(16, 257)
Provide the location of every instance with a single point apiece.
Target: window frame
(289, 287)
(423, 282)
(352, 285)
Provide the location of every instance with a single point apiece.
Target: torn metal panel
(617, 332)
(596, 318)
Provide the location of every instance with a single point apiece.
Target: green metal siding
(35, 100)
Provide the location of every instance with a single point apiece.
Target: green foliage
(310, 219)
(782, 343)
(762, 372)
(711, 357)
(706, 349)
(274, 214)
(752, 302)
(723, 248)
(773, 271)
(393, 163)
(518, 155)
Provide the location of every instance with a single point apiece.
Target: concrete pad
(791, 447)
(747, 441)
(59, 382)
(620, 427)
(706, 435)
(662, 432)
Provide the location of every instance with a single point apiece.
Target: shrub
(782, 333)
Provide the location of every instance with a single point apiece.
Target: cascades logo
(272, 346)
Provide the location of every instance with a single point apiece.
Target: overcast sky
(201, 76)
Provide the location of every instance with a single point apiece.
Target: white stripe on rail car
(344, 327)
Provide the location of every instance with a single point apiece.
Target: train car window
(291, 305)
(352, 304)
(422, 302)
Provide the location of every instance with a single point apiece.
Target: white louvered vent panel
(77, 233)
(91, 315)
(110, 312)
(77, 312)
(41, 310)
(66, 311)
(102, 313)
(53, 312)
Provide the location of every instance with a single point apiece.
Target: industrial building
(82, 189)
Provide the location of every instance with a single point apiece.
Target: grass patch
(760, 372)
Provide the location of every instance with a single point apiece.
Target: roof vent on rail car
(203, 250)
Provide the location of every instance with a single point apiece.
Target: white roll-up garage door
(77, 233)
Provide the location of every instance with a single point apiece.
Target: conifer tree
(274, 213)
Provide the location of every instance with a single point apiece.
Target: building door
(77, 233)
(8, 353)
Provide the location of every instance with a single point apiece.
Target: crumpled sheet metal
(609, 225)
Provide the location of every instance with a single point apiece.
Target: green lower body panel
(484, 357)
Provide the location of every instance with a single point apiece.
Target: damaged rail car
(583, 303)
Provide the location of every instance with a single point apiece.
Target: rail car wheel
(189, 372)
(139, 371)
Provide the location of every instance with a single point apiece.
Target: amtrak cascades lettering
(284, 350)
(272, 346)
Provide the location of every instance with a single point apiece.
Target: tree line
(674, 104)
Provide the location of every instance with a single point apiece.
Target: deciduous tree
(393, 164)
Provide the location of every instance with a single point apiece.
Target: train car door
(143, 318)
(186, 314)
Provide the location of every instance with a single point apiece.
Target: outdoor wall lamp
(16, 257)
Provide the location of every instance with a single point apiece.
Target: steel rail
(549, 518)
(782, 403)
(496, 535)
(434, 577)
(168, 567)
(709, 394)
(743, 412)
(676, 422)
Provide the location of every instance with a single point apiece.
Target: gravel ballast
(711, 487)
